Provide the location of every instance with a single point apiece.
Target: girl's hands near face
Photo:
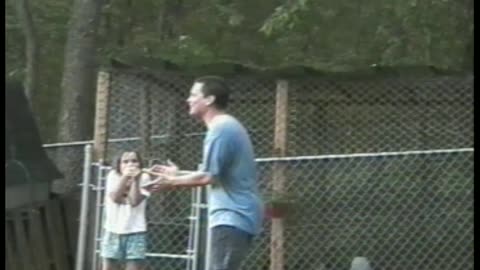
(132, 171)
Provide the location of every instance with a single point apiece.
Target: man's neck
(209, 117)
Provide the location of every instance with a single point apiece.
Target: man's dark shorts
(229, 247)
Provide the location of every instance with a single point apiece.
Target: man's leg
(229, 247)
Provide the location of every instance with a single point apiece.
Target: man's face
(198, 104)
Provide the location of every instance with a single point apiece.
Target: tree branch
(31, 48)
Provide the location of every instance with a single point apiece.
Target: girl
(125, 226)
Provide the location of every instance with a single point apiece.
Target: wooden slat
(23, 247)
(72, 213)
(57, 236)
(10, 253)
(8, 265)
(38, 240)
(62, 224)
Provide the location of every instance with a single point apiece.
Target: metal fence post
(98, 214)
(82, 230)
(208, 232)
(194, 229)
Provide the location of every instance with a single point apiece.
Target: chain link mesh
(324, 116)
(69, 159)
(402, 212)
(405, 211)
(338, 117)
(168, 224)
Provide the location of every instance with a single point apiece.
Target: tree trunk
(169, 16)
(468, 62)
(80, 69)
(31, 49)
(78, 88)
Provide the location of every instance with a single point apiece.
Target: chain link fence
(338, 117)
(170, 224)
(402, 211)
(69, 158)
(324, 116)
(411, 209)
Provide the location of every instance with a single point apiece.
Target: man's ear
(210, 100)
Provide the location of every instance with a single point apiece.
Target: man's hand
(164, 182)
(169, 169)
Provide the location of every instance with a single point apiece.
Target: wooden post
(38, 241)
(101, 117)
(56, 233)
(174, 126)
(280, 149)
(23, 245)
(11, 260)
(145, 122)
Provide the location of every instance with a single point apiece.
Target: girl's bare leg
(109, 264)
(135, 265)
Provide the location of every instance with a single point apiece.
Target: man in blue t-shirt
(228, 165)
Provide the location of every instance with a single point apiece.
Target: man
(235, 207)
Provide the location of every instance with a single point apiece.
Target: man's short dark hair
(215, 86)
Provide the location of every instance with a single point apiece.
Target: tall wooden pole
(277, 242)
(101, 117)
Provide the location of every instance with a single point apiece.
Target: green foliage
(285, 17)
(332, 36)
(14, 45)
(51, 19)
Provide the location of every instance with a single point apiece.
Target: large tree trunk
(79, 77)
(78, 104)
(31, 48)
(171, 13)
(78, 89)
(470, 47)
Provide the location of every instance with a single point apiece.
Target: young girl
(125, 227)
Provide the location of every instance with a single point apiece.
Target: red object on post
(277, 210)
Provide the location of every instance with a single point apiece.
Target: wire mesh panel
(69, 159)
(405, 211)
(324, 116)
(253, 103)
(352, 116)
(152, 112)
(166, 126)
(168, 221)
(401, 211)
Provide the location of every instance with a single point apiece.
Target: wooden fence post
(145, 122)
(101, 116)
(277, 251)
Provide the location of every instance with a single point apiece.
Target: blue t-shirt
(228, 156)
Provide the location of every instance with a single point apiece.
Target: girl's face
(128, 160)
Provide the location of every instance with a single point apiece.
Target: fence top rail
(66, 144)
(295, 158)
(80, 143)
(357, 155)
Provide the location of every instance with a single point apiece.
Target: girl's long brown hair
(118, 160)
